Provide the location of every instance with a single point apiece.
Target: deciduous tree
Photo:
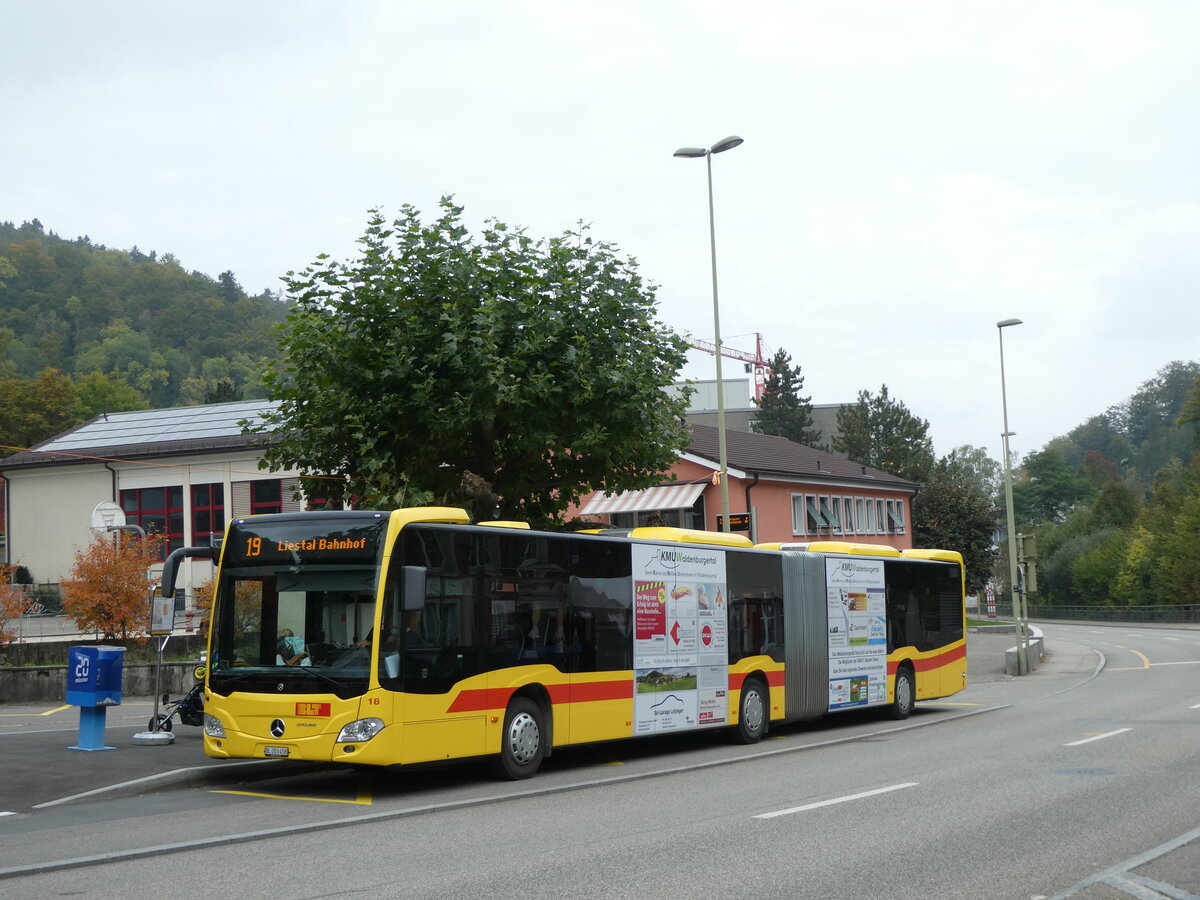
(954, 511)
(32, 410)
(14, 603)
(503, 373)
(1048, 489)
(108, 591)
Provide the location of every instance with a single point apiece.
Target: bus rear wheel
(523, 744)
(904, 694)
(752, 712)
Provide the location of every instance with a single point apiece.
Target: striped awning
(670, 496)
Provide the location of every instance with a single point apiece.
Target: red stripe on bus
(479, 699)
(774, 679)
(926, 664)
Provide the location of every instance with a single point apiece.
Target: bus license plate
(275, 751)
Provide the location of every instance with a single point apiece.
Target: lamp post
(693, 153)
(1018, 611)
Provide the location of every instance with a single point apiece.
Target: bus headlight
(213, 727)
(360, 730)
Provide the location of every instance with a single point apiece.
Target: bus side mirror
(414, 588)
(171, 566)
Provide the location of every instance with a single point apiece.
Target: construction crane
(756, 362)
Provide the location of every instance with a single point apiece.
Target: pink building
(778, 491)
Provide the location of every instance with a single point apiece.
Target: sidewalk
(39, 769)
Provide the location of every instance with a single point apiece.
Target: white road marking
(836, 800)
(1097, 737)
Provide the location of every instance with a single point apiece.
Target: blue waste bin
(94, 676)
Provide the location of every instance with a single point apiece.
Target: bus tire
(752, 712)
(904, 694)
(523, 743)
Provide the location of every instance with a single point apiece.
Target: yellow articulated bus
(409, 636)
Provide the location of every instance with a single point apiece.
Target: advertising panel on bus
(680, 646)
(855, 596)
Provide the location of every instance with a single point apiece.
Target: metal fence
(1165, 613)
(42, 601)
(1181, 612)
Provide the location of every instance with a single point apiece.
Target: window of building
(268, 495)
(157, 511)
(830, 519)
(208, 511)
(849, 520)
(812, 515)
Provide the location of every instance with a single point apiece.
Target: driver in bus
(285, 654)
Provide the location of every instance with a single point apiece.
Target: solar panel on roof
(151, 426)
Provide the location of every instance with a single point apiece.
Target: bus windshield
(296, 611)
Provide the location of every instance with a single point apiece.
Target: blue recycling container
(94, 684)
(94, 675)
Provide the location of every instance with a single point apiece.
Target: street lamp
(693, 153)
(1018, 612)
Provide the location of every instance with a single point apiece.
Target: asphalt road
(1080, 780)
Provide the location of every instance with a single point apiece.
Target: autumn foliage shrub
(15, 601)
(109, 588)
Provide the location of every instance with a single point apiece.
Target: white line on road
(1182, 662)
(1197, 706)
(808, 806)
(1097, 737)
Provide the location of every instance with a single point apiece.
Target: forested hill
(85, 329)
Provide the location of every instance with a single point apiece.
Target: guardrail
(1164, 613)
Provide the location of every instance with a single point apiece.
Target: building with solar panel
(181, 472)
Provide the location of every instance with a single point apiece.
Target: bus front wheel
(523, 743)
(904, 694)
(752, 712)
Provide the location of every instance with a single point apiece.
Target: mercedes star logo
(277, 728)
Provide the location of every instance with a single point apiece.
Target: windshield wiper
(341, 685)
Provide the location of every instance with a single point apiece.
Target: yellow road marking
(363, 798)
(1145, 661)
(48, 712)
(927, 704)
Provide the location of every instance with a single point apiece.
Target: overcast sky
(912, 172)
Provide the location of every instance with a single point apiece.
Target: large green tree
(954, 511)
(880, 432)
(32, 410)
(502, 373)
(784, 413)
(1048, 489)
